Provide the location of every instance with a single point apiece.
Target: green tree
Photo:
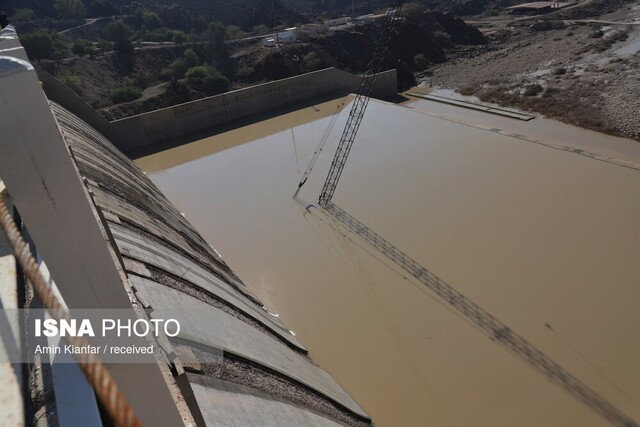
(195, 75)
(245, 73)
(151, 20)
(311, 61)
(120, 34)
(103, 8)
(442, 38)
(166, 74)
(38, 44)
(71, 9)
(82, 47)
(179, 37)
(215, 46)
(138, 16)
(22, 15)
(178, 68)
(234, 32)
(72, 82)
(420, 61)
(125, 94)
(207, 80)
(49, 23)
(215, 83)
(261, 29)
(190, 58)
(141, 79)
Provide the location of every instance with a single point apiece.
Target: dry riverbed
(584, 72)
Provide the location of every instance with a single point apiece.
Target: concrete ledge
(506, 112)
(225, 403)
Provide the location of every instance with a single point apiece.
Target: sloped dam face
(536, 223)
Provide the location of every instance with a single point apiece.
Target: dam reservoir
(536, 222)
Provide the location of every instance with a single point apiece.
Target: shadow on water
(484, 321)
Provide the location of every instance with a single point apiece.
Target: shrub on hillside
(245, 73)
(179, 37)
(22, 15)
(260, 29)
(420, 61)
(442, 38)
(234, 32)
(125, 94)
(311, 61)
(466, 90)
(214, 84)
(190, 58)
(82, 47)
(41, 44)
(175, 70)
(103, 8)
(166, 74)
(207, 80)
(151, 20)
(197, 74)
(161, 34)
(70, 9)
(120, 34)
(72, 82)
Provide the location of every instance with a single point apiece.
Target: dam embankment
(107, 239)
(172, 123)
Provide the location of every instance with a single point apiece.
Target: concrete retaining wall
(61, 94)
(170, 123)
(58, 211)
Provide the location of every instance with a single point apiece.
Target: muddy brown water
(537, 222)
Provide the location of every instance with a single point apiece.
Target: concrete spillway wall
(168, 124)
(112, 240)
(232, 349)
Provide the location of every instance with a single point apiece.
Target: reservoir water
(537, 222)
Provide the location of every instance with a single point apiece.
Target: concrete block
(227, 404)
(204, 324)
(134, 246)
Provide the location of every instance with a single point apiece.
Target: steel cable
(98, 375)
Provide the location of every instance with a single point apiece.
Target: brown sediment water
(537, 222)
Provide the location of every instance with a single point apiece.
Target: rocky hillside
(243, 13)
(419, 42)
(428, 35)
(582, 72)
(183, 14)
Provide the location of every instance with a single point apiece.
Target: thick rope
(103, 383)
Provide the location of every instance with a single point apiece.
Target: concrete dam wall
(170, 266)
(112, 240)
(168, 124)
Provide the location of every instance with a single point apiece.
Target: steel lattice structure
(359, 105)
